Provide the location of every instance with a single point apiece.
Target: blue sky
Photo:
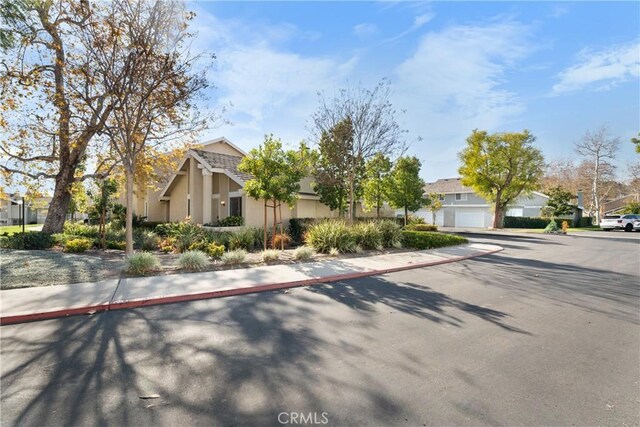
(557, 69)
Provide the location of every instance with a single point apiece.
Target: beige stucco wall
(178, 204)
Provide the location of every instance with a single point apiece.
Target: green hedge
(531, 222)
(31, 240)
(421, 227)
(429, 239)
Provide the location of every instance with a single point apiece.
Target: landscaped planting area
(82, 254)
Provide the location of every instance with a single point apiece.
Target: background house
(35, 210)
(462, 207)
(207, 186)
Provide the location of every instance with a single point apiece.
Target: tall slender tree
(598, 148)
(276, 176)
(406, 188)
(375, 185)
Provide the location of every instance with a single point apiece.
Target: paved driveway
(545, 332)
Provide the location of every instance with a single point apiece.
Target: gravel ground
(22, 269)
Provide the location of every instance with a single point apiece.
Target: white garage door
(470, 218)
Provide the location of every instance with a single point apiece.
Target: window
(235, 206)
(461, 196)
(441, 197)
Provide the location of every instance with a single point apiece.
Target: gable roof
(222, 162)
(223, 140)
(447, 186)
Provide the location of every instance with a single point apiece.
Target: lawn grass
(10, 229)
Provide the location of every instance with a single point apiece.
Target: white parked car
(619, 222)
(636, 225)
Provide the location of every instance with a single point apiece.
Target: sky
(557, 69)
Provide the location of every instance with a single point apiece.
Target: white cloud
(453, 83)
(365, 30)
(269, 88)
(418, 22)
(601, 70)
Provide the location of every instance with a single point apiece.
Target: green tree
(276, 175)
(559, 203)
(79, 199)
(434, 202)
(375, 185)
(406, 188)
(636, 141)
(632, 208)
(102, 203)
(330, 174)
(500, 167)
(373, 129)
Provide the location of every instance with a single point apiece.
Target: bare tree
(153, 82)
(374, 125)
(600, 149)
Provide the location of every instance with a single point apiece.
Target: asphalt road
(546, 332)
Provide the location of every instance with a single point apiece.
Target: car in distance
(619, 222)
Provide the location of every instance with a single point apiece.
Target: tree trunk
(264, 233)
(352, 212)
(594, 190)
(406, 216)
(59, 206)
(281, 229)
(129, 211)
(497, 214)
(275, 222)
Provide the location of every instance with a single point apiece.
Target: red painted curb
(123, 305)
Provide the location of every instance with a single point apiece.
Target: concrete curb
(170, 299)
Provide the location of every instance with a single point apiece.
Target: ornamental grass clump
(391, 233)
(367, 235)
(193, 261)
(303, 253)
(236, 256)
(270, 255)
(142, 263)
(330, 234)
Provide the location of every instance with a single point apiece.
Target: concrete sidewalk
(23, 305)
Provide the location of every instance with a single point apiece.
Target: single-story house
(35, 210)
(462, 207)
(207, 186)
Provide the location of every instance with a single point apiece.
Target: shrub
(258, 236)
(298, 227)
(116, 244)
(326, 235)
(421, 227)
(142, 263)
(236, 256)
(552, 227)
(174, 229)
(529, 222)
(415, 220)
(281, 239)
(30, 240)
(193, 261)
(270, 255)
(230, 221)
(167, 245)
(367, 235)
(77, 245)
(429, 239)
(243, 239)
(61, 239)
(303, 253)
(391, 233)
(148, 225)
(145, 240)
(586, 221)
(214, 250)
(218, 237)
(81, 229)
(114, 233)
